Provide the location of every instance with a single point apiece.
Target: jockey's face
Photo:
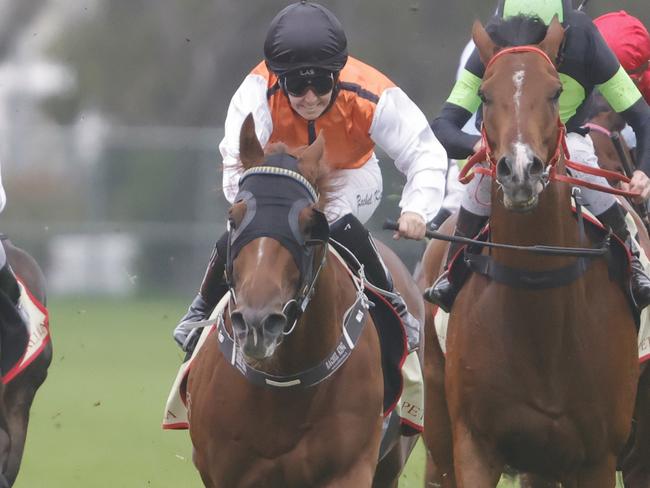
(310, 106)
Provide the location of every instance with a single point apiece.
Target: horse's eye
(557, 95)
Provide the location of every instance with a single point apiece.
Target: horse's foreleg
(475, 464)
(437, 427)
(602, 475)
(18, 397)
(636, 462)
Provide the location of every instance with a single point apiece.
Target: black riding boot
(213, 288)
(614, 218)
(9, 284)
(443, 292)
(350, 232)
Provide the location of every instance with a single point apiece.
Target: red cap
(627, 37)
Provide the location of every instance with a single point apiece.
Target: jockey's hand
(411, 226)
(640, 183)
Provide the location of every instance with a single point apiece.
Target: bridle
(304, 249)
(560, 153)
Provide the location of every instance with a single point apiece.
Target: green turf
(95, 422)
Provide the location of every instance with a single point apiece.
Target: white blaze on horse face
(522, 152)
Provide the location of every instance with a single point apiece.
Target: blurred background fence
(111, 114)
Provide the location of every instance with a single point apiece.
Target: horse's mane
(520, 30)
(324, 182)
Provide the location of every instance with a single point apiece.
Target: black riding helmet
(305, 35)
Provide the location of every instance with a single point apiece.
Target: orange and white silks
(368, 110)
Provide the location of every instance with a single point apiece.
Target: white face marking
(522, 151)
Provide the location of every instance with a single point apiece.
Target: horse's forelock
(277, 148)
(319, 174)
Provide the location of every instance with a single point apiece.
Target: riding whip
(628, 168)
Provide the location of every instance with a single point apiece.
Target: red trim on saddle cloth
(182, 390)
(25, 362)
(404, 351)
(414, 429)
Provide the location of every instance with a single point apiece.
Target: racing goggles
(297, 84)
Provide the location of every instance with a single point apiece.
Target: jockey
(307, 84)
(584, 62)
(628, 38)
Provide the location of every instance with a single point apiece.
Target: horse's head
(520, 92)
(274, 223)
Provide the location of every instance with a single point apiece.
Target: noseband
(561, 151)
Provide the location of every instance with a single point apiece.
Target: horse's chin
(522, 198)
(258, 349)
(520, 206)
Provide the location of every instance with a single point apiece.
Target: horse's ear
(553, 40)
(484, 43)
(310, 160)
(250, 150)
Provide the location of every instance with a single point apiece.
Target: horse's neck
(320, 326)
(551, 223)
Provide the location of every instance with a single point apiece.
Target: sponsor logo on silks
(307, 72)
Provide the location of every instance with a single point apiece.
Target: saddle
(392, 339)
(23, 335)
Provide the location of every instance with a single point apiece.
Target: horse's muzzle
(521, 183)
(257, 332)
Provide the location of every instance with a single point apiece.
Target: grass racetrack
(95, 422)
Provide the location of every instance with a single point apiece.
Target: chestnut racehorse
(539, 379)
(18, 394)
(290, 316)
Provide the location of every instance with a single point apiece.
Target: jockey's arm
(400, 128)
(447, 127)
(624, 97)
(250, 97)
(462, 102)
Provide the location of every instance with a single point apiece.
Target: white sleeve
(629, 136)
(400, 128)
(249, 98)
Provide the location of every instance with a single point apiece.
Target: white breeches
(581, 149)
(356, 191)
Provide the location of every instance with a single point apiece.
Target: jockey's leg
(606, 209)
(472, 216)
(213, 288)
(350, 232)
(614, 218)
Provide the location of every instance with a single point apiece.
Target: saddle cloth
(403, 380)
(441, 318)
(38, 326)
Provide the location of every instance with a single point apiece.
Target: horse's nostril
(536, 167)
(238, 321)
(275, 323)
(504, 167)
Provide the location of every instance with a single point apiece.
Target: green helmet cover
(544, 9)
